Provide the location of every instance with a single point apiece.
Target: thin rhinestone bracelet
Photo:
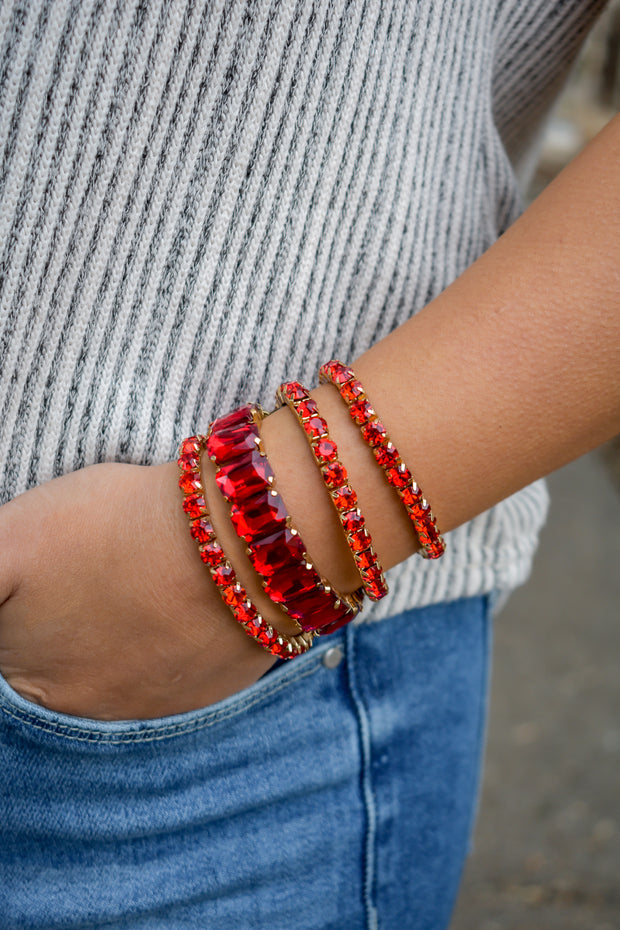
(387, 456)
(342, 495)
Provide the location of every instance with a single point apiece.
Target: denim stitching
(156, 733)
(369, 877)
(483, 709)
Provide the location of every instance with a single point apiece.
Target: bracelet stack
(273, 545)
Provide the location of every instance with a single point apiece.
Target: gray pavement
(547, 845)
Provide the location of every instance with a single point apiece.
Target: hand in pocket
(105, 609)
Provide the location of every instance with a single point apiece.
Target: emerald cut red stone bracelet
(258, 513)
(222, 572)
(387, 456)
(340, 491)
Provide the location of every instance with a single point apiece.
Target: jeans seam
(483, 710)
(161, 733)
(368, 797)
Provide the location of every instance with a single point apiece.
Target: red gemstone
(266, 636)
(361, 411)
(233, 595)
(290, 584)
(352, 521)
(315, 427)
(232, 443)
(319, 619)
(285, 650)
(419, 513)
(411, 497)
(234, 418)
(345, 498)
(243, 478)
(399, 477)
(245, 612)
(259, 521)
(194, 505)
(201, 530)
(212, 554)
(334, 474)
(253, 625)
(435, 551)
(375, 590)
(224, 575)
(374, 433)
(366, 559)
(432, 533)
(281, 536)
(190, 483)
(427, 531)
(337, 372)
(270, 561)
(325, 450)
(317, 600)
(294, 390)
(191, 446)
(351, 390)
(359, 540)
(189, 462)
(307, 408)
(386, 455)
(374, 573)
(276, 552)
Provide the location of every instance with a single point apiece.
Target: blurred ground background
(547, 844)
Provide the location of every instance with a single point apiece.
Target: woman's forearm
(511, 372)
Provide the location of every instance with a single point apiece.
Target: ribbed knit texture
(200, 199)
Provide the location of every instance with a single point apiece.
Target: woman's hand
(106, 610)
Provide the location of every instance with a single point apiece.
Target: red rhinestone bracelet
(259, 516)
(340, 491)
(387, 456)
(222, 572)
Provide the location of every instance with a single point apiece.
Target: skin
(106, 610)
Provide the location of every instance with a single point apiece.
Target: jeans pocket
(39, 722)
(204, 819)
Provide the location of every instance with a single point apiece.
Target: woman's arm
(512, 371)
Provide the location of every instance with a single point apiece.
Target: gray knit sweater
(200, 199)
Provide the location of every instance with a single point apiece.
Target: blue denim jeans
(337, 792)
